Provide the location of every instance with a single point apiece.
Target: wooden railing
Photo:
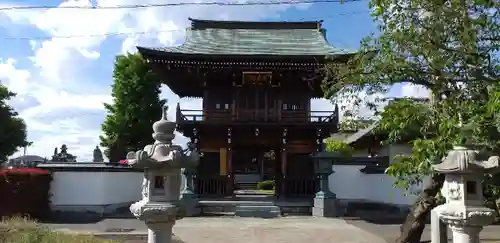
(213, 186)
(300, 187)
(258, 116)
(222, 186)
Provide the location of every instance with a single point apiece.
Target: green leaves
(136, 106)
(343, 149)
(449, 47)
(12, 128)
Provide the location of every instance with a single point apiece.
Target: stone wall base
(325, 207)
(72, 213)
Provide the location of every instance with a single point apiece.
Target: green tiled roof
(207, 37)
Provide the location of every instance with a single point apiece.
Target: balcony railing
(257, 116)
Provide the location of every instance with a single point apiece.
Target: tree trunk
(413, 227)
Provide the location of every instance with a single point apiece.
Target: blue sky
(62, 82)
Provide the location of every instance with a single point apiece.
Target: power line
(134, 6)
(140, 33)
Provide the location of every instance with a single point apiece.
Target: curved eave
(236, 24)
(150, 53)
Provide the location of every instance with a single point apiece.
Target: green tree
(343, 149)
(450, 47)
(351, 124)
(12, 129)
(136, 106)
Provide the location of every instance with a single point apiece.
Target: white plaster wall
(348, 182)
(71, 188)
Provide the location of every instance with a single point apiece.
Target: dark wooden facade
(256, 120)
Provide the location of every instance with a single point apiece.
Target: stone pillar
(468, 234)
(159, 232)
(325, 201)
(161, 188)
(439, 233)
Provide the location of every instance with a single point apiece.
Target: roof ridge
(230, 24)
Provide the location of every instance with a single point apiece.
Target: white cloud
(416, 91)
(17, 80)
(54, 81)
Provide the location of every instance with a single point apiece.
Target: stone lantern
(189, 199)
(325, 201)
(464, 211)
(162, 163)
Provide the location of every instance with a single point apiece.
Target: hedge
(266, 185)
(25, 192)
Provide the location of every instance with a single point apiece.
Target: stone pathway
(252, 230)
(237, 230)
(390, 231)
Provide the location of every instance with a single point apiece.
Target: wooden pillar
(195, 139)
(283, 172)
(308, 109)
(234, 109)
(223, 162)
(229, 164)
(280, 107)
(283, 162)
(319, 140)
(195, 145)
(266, 106)
(205, 105)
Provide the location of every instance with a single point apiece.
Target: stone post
(325, 201)
(464, 211)
(439, 233)
(188, 191)
(162, 162)
(189, 199)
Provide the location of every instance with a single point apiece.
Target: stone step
(235, 203)
(246, 186)
(258, 211)
(251, 192)
(215, 213)
(245, 197)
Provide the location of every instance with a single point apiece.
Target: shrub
(343, 149)
(21, 230)
(266, 185)
(25, 191)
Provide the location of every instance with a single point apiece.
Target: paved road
(248, 230)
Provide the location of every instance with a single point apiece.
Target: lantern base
(325, 195)
(325, 207)
(190, 206)
(160, 232)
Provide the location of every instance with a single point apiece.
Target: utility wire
(286, 2)
(141, 33)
